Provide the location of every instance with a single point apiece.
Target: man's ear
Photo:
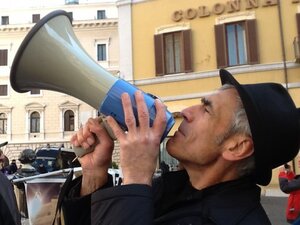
(238, 147)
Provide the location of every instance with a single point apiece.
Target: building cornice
(129, 2)
(214, 73)
(95, 23)
(76, 24)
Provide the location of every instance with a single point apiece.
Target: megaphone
(51, 58)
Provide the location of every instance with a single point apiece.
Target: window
(69, 120)
(69, 117)
(3, 57)
(3, 123)
(35, 91)
(36, 18)
(3, 90)
(236, 43)
(298, 23)
(173, 52)
(101, 52)
(35, 122)
(101, 14)
(70, 2)
(4, 20)
(235, 40)
(297, 39)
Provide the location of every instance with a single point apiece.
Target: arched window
(3, 123)
(69, 120)
(35, 122)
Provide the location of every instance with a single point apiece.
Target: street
(275, 208)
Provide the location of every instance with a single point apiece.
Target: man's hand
(95, 164)
(139, 146)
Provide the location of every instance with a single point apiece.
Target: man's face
(195, 141)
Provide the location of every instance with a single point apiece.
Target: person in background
(4, 162)
(27, 157)
(12, 168)
(227, 144)
(41, 168)
(9, 212)
(289, 183)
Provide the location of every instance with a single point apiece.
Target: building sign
(220, 8)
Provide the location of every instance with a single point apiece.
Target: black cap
(274, 122)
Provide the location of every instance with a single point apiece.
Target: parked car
(53, 158)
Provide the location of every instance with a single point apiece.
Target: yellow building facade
(174, 48)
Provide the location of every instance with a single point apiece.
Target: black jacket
(9, 213)
(171, 201)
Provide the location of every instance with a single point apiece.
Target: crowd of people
(10, 168)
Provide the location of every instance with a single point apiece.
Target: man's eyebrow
(206, 102)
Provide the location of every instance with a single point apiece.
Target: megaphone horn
(51, 58)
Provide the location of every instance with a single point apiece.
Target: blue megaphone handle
(112, 105)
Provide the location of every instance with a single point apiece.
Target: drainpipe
(282, 44)
(284, 58)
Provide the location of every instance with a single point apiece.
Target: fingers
(129, 118)
(84, 136)
(143, 126)
(143, 113)
(128, 112)
(160, 122)
(117, 130)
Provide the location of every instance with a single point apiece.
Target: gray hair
(239, 125)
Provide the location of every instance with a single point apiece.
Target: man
(12, 168)
(227, 144)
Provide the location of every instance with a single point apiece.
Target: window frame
(6, 94)
(3, 57)
(3, 123)
(185, 48)
(37, 122)
(4, 20)
(69, 121)
(241, 59)
(36, 18)
(99, 59)
(101, 14)
(251, 41)
(32, 92)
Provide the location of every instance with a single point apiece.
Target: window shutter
(159, 55)
(187, 51)
(298, 23)
(221, 50)
(3, 57)
(35, 18)
(252, 46)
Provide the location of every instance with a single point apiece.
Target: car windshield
(51, 159)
